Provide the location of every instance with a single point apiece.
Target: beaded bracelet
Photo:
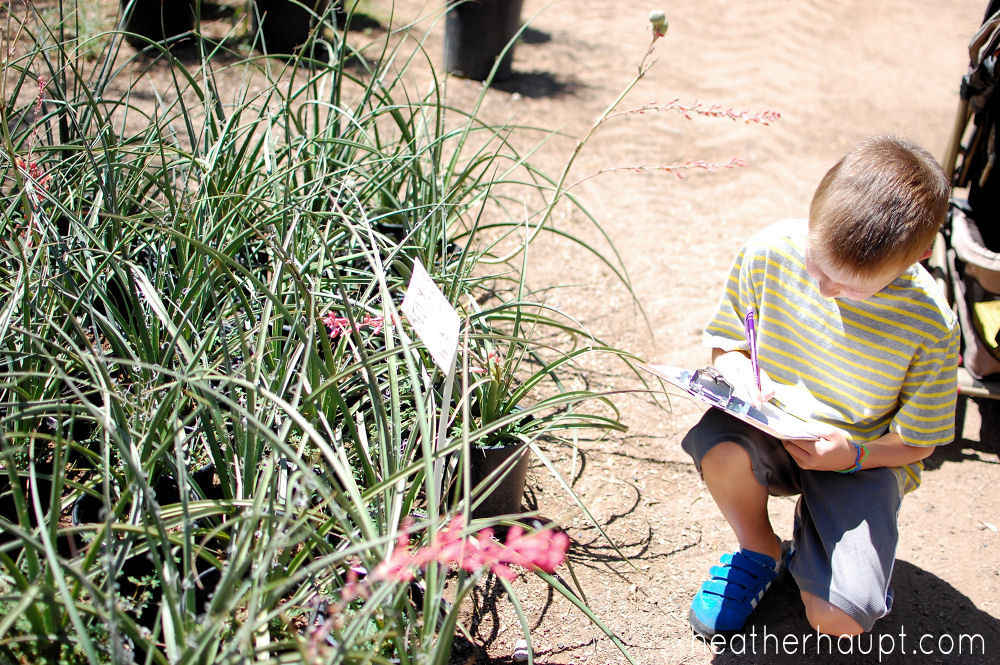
(859, 459)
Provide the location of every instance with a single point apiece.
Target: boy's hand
(737, 369)
(831, 452)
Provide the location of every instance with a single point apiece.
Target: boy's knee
(828, 619)
(726, 458)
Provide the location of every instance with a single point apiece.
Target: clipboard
(707, 386)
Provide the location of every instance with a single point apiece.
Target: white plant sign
(435, 321)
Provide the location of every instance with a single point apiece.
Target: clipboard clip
(711, 385)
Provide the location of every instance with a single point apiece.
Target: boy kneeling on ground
(854, 336)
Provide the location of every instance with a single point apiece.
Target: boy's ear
(926, 255)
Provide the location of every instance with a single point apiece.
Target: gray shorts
(845, 524)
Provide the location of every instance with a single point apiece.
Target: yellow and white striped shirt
(865, 367)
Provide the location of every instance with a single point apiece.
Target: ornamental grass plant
(216, 427)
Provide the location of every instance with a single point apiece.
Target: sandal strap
(733, 576)
(731, 593)
(739, 577)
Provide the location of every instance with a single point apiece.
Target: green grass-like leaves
(191, 458)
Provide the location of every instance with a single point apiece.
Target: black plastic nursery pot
(8, 508)
(9, 543)
(476, 33)
(135, 578)
(505, 498)
(157, 20)
(283, 26)
(88, 509)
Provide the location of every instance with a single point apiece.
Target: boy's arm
(737, 368)
(834, 452)
(927, 404)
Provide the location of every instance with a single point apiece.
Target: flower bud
(659, 22)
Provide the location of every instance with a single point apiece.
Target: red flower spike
(353, 588)
(38, 98)
(340, 325)
(542, 550)
(713, 111)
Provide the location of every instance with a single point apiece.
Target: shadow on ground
(536, 85)
(986, 449)
(778, 634)
(914, 632)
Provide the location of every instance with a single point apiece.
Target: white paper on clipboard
(769, 418)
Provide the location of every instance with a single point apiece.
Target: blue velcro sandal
(726, 599)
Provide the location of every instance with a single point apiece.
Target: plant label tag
(435, 321)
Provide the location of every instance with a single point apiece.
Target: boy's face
(835, 282)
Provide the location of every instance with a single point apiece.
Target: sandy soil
(836, 72)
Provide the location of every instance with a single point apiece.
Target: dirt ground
(836, 71)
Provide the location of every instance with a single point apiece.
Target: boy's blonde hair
(880, 206)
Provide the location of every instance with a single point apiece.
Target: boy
(854, 336)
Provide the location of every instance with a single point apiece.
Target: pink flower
(331, 320)
(713, 111)
(38, 98)
(34, 171)
(542, 550)
(341, 325)
(352, 588)
(492, 359)
(400, 564)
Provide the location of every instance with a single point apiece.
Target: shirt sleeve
(725, 330)
(926, 416)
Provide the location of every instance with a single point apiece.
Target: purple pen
(752, 341)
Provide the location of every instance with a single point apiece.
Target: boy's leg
(827, 618)
(845, 545)
(728, 474)
(739, 464)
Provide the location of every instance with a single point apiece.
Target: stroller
(966, 258)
